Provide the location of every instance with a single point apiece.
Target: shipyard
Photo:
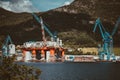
(59, 40)
(53, 50)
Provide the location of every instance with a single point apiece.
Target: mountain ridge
(23, 27)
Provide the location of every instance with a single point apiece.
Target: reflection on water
(78, 71)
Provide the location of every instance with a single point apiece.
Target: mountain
(105, 9)
(73, 23)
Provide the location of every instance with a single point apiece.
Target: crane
(107, 47)
(5, 50)
(56, 44)
(112, 34)
(43, 26)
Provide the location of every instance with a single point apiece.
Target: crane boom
(99, 24)
(116, 26)
(39, 21)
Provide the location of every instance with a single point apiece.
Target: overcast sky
(32, 5)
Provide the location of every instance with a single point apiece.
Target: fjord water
(78, 71)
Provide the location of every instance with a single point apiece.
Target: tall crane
(43, 26)
(5, 50)
(107, 47)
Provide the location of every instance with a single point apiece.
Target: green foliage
(11, 71)
(9, 18)
(75, 37)
(74, 52)
(116, 51)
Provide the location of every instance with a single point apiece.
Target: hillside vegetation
(71, 22)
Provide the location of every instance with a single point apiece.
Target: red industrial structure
(45, 50)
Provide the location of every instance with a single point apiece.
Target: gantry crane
(107, 47)
(5, 49)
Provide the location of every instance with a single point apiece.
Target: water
(78, 71)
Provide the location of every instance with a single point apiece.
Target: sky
(32, 5)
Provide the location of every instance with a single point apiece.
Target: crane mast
(43, 32)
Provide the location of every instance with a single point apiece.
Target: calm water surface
(78, 71)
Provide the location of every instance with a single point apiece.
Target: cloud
(45, 5)
(68, 2)
(32, 5)
(18, 5)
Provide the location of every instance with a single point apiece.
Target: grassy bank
(117, 51)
